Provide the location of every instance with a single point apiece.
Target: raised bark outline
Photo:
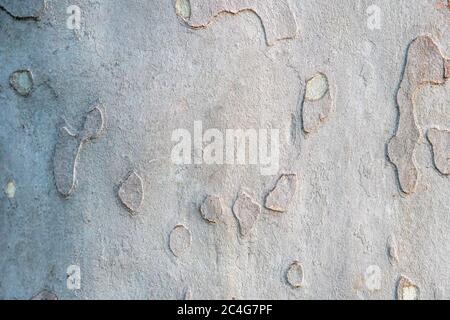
(211, 209)
(45, 295)
(295, 275)
(68, 148)
(440, 142)
(247, 212)
(22, 81)
(180, 240)
(131, 192)
(23, 9)
(392, 250)
(425, 66)
(317, 103)
(282, 194)
(276, 16)
(407, 289)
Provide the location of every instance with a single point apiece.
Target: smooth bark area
(93, 204)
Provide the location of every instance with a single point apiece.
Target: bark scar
(68, 149)
(425, 65)
(277, 19)
(24, 10)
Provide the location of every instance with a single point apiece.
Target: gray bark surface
(96, 188)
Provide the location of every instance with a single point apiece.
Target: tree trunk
(122, 180)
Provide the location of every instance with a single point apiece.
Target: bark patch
(425, 65)
(407, 290)
(317, 103)
(440, 142)
(180, 240)
(276, 16)
(22, 81)
(211, 209)
(282, 194)
(247, 212)
(131, 192)
(68, 148)
(295, 275)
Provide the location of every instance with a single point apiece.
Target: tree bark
(96, 207)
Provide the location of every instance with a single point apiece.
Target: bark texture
(117, 215)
